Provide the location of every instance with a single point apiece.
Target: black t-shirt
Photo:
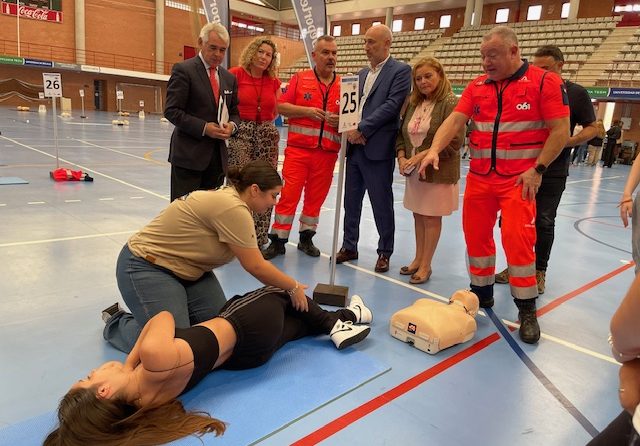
(581, 112)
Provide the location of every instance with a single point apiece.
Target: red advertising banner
(27, 12)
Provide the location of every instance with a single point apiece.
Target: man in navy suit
(198, 153)
(384, 85)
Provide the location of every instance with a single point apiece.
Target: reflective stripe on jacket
(508, 128)
(310, 133)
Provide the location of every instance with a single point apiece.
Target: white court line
(35, 202)
(72, 201)
(591, 180)
(106, 199)
(136, 198)
(95, 172)
(115, 151)
(3, 204)
(481, 313)
(568, 344)
(64, 239)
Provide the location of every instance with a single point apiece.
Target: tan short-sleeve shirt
(192, 235)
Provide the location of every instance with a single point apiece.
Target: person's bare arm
(252, 261)
(625, 328)
(557, 139)
(626, 201)
(445, 133)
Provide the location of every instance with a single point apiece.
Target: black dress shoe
(382, 264)
(345, 255)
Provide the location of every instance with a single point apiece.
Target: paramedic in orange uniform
(311, 103)
(520, 123)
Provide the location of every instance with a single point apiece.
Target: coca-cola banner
(27, 12)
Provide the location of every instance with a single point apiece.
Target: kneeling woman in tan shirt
(167, 266)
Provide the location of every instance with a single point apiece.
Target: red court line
(360, 412)
(562, 299)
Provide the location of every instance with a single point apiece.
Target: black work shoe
(529, 328)
(306, 244)
(275, 248)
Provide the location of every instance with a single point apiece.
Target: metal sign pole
(336, 222)
(55, 132)
(332, 294)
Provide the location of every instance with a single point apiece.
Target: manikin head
(466, 300)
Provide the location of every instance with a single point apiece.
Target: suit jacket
(381, 113)
(189, 106)
(449, 171)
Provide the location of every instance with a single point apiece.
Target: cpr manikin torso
(433, 326)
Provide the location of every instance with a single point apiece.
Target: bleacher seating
(461, 56)
(351, 55)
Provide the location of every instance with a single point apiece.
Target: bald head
(377, 43)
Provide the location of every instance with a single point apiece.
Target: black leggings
(265, 320)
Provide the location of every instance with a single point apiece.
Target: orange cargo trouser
(308, 169)
(484, 196)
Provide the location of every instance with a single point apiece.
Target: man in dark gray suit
(371, 155)
(198, 152)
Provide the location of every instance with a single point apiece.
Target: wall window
(355, 29)
(445, 21)
(337, 30)
(502, 15)
(419, 24)
(376, 23)
(396, 27)
(534, 12)
(564, 13)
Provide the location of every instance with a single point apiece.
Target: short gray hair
(217, 28)
(505, 33)
(326, 38)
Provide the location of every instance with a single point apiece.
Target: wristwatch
(540, 168)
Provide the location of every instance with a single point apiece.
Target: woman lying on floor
(135, 403)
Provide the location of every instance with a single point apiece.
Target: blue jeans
(148, 289)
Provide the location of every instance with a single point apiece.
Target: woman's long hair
(85, 419)
(258, 172)
(252, 49)
(441, 91)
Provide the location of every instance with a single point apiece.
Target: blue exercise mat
(301, 377)
(12, 180)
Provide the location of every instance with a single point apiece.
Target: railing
(287, 32)
(71, 55)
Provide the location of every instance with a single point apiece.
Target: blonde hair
(252, 49)
(442, 90)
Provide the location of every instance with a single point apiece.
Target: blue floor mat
(12, 180)
(306, 374)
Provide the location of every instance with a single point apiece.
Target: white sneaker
(363, 314)
(344, 334)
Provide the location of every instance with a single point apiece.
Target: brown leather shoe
(382, 265)
(344, 255)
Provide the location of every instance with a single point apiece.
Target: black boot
(274, 249)
(306, 244)
(529, 328)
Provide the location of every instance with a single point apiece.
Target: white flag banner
(312, 20)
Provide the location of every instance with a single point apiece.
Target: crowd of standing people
(516, 121)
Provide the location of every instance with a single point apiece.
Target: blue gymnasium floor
(59, 243)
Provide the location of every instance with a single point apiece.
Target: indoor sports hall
(59, 241)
